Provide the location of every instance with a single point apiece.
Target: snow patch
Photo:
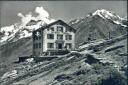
(109, 15)
(13, 73)
(75, 21)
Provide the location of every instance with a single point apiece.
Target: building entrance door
(59, 46)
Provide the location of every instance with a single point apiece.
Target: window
(36, 45)
(68, 37)
(68, 45)
(52, 28)
(50, 36)
(60, 28)
(39, 37)
(39, 45)
(47, 29)
(68, 30)
(59, 36)
(50, 45)
(35, 38)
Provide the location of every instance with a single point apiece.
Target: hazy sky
(65, 10)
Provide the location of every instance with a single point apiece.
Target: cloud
(25, 19)
(20, 15)
(42, 15)
(42, 12)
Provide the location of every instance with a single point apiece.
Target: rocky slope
(101, 62)
(101, 24)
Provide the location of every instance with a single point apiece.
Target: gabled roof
(62, 22)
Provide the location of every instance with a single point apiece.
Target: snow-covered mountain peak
(25, 27)
(106, 14)
(109, 15)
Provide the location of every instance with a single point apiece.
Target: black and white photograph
(63, 42)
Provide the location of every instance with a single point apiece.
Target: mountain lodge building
(53, 37)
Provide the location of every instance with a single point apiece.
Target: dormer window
(60, 28)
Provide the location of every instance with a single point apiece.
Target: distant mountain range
(15, 40)
(19, 30)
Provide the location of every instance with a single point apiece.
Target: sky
(64, 10)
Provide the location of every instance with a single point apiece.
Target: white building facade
(53, 37)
